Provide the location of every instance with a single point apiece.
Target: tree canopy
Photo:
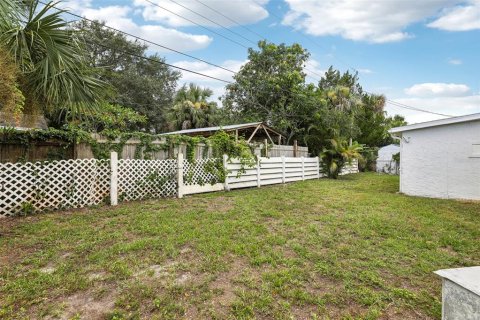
(144, 85)
(192, 109)
(52, 74)
(272, 87)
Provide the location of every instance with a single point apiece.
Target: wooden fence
(129, 150)
(39, 186)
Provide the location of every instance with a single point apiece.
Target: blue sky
(421, 53)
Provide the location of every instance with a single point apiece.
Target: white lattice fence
(202, 171)
(52, 185)
(142, 179)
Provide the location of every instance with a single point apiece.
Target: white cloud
(364, 71)
(314, 71)
(243, 12)
(119, 17)
(455, 62)
(455, 106)
(438, 90)
(378, 22)
(463, 17)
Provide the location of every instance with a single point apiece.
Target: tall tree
(192, 108)
(52, 72)
(145, 85)
(270, 87)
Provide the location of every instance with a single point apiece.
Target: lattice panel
(201, 172)
(40, 186)
(142, 179)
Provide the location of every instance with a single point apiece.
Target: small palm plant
(338, 153)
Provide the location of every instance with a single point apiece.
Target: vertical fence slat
(113, 178)
(259, 177)
(225, 167)
(180, 175)
(303, 168)
(46, 186)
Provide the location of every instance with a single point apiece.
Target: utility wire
(218, 24)
(197, 24)
(164, 63)
(231, 20)
(214, 22)
(397, 104)
(140, 38)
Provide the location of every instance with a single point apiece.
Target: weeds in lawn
(352, 248)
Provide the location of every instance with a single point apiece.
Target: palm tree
(49, 57)
(337, 155)
(192, 108)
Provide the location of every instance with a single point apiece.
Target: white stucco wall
(384, 160)
(441, 161)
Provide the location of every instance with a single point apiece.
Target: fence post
(283, 169)
(303, 168)
(318, 167)
(225, 167)
(180, 175)
(258, 172)
(113, 178)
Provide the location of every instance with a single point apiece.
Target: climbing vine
(114, 140)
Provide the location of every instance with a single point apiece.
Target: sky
(422, 53)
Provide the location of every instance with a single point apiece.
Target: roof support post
(268, 135)
(253, 134)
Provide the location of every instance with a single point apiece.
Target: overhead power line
(164, 63)
(231, 20)
(196, 23)
(140, 38)
(397, 104)
(214, 22)
(213, 31)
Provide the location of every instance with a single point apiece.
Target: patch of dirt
(157, 270)
(449, 250)
(183, 278)
(306, 312)
(393, 313)
(88, 305)
(48, 269)
(220, 204)
(320, 285)
(224, 285)
(348, 311)
(97, 276)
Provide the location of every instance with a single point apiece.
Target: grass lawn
(320, 249)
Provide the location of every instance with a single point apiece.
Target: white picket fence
(40, 186)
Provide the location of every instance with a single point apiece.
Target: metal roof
(225, 128)
(435, 123)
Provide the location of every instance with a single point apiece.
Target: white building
(385, 162)
(441, 158)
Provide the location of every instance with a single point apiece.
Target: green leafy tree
(347, 112)
(337, 154)
(270, 87)
(144, 85)
(192, 108)
(338, 98)
(111, 117)
(53, 75)
(11, 97)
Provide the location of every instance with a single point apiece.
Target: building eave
(435, 123)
